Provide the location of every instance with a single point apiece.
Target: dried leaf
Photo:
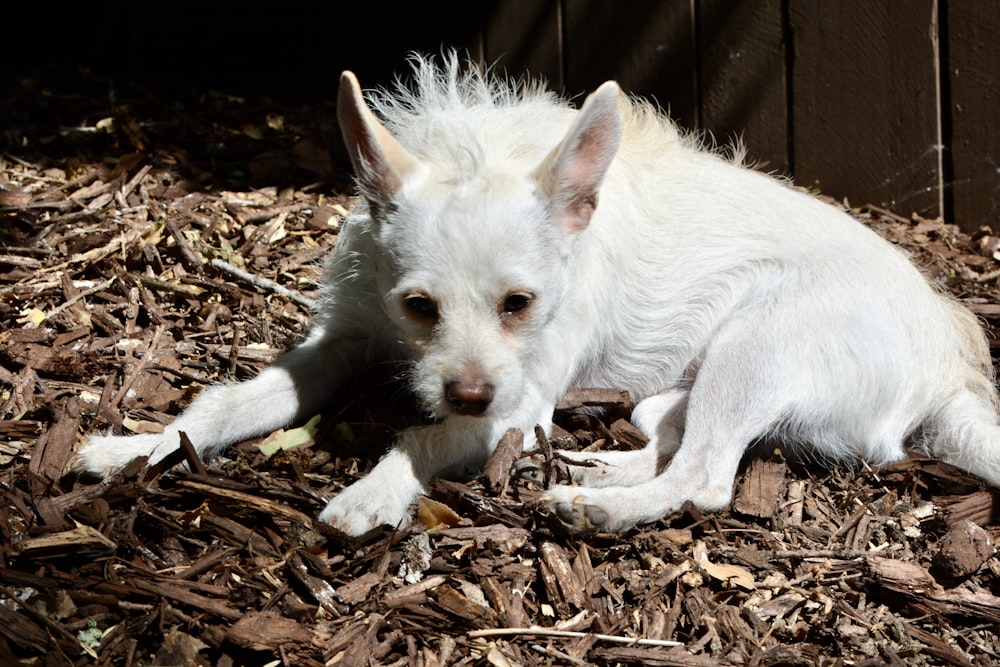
(31, 318)
(728, 574)
(433, 514)
(289, 438)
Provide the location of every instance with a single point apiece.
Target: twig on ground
(546, 632)
(262, 283)
(82, 295)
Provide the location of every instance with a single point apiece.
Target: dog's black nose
(469, 398)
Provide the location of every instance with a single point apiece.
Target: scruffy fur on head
(507, 247)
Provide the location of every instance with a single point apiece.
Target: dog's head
(474, 269)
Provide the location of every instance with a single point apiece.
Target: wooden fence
(887, 102)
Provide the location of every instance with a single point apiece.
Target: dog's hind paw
(577, 513)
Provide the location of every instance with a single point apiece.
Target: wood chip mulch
(149, 249)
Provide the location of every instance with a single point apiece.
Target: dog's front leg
(418, 455)
(301, 382)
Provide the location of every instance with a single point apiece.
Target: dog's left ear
(380, 161)
(571, 175)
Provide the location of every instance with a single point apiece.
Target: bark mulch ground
(149, 249)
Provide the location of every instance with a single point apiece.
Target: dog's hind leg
(661, 418)
(702, 471)
(736, 398)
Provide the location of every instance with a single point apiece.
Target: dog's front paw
(577, 513)
(101, 455)
(367, 505)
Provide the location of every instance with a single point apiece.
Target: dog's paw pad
(580, 517)
(576, 514)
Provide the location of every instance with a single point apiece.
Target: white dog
(734, 307)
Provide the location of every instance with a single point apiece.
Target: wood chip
(249, 501)
(497, 468)
(80, 542)
(962, 551)
(760, 493)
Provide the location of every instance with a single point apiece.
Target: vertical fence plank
(865, 107)
(648, 46)
(974, 78)
(525, 37)
(374, 46)
(741, 61)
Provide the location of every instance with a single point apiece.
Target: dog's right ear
(573, 173)
(380, 161)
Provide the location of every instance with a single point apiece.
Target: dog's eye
(515, 303)
(421, 307)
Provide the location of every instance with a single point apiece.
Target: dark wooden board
(856, 98)
(973, 75)
(648, 47)
(525, 37)
(742, 74)
(865, 105)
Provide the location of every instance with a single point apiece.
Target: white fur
(733, 306)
